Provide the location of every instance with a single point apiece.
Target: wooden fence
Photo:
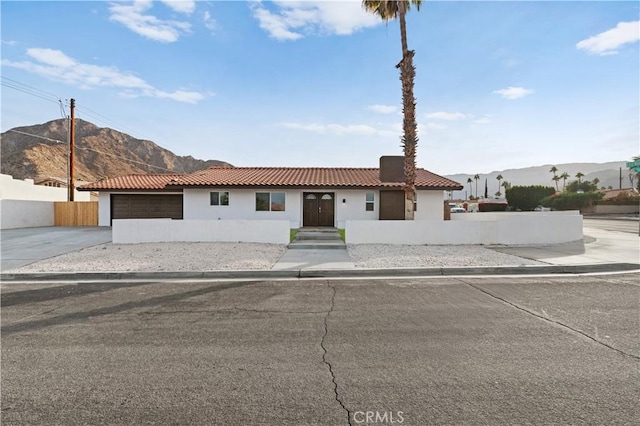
(78, 213)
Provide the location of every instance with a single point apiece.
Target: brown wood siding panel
(146, 206)
(78, 213)
(391, 205)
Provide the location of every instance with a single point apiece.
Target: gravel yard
(386, 256)
(247, 256)
(149, 257)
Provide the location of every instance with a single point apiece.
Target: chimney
(392, 168)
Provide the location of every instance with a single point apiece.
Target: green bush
(571, 201)
(527, 197)
(584, 186)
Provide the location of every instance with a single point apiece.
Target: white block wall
(25, 214)
(25, 205)
(132, 231)
(16, 189)
(534, 228)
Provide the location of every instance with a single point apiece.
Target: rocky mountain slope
(100, 152)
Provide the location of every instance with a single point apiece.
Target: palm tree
(506, 185)
(470, 181)
(579, 175)
(553, 170)
(391, 9)
(499, 178)
(564, 176)
(476, 177)
(596, 181)
(556, 179)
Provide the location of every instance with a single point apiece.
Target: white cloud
(182, 6)
(292, 20)
(57, 66)
(209, 22)
(607, 43)
(442, 115)
(513, 92)
(336, 129)
(132, 16)
(383, 109)
(9, 42)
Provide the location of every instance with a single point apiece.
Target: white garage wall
(535, 228)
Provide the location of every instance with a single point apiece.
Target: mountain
(607, 173)
(100, 152)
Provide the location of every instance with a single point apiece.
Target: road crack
(551, 320)
(325, 353)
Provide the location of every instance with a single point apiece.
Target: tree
(579, 175)
(476, 177)
(506, 185)
(499, 178)
(553, 170)
(470, 181)
(392, 9)
(564, 176)
(527, 197)
(596, 181)
(556, 179)
(584, 186)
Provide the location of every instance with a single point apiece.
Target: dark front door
(318, 209)
(392, 205)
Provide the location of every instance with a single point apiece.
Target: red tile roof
(292, 177)
(148, 182)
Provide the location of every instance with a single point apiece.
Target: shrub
(492, 207)
(571, 201)
(584, 186)
(527, 197)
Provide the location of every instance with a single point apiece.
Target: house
(302, 196)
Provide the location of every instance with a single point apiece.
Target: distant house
(304, 196)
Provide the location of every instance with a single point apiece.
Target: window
(370, 197)
(270, 201)
(219, 198)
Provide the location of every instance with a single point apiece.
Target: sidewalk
(601, 251)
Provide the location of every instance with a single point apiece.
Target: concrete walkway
(27, 245)
(598, 246)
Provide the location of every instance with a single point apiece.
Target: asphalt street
(532, 350)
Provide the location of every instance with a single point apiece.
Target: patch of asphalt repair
(549, 320)
(325, 353)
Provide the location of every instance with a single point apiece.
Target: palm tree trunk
(409, 125)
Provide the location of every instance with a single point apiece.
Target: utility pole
(620, 178)
(72, 152)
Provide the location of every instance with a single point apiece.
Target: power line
(94, 150)
(30, 87)
(35, 136)
(29, 92)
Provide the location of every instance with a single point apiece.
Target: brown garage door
(146, 206)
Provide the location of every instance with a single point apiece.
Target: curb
(324, 273)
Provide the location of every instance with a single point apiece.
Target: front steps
(317, 238)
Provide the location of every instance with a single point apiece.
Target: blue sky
(313, 83)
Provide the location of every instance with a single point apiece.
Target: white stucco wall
(132, 231)
(430, 205)
(242, 205)
(16, 189)
(532, 228)
(25, 214)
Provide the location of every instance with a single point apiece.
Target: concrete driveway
(27, 245)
